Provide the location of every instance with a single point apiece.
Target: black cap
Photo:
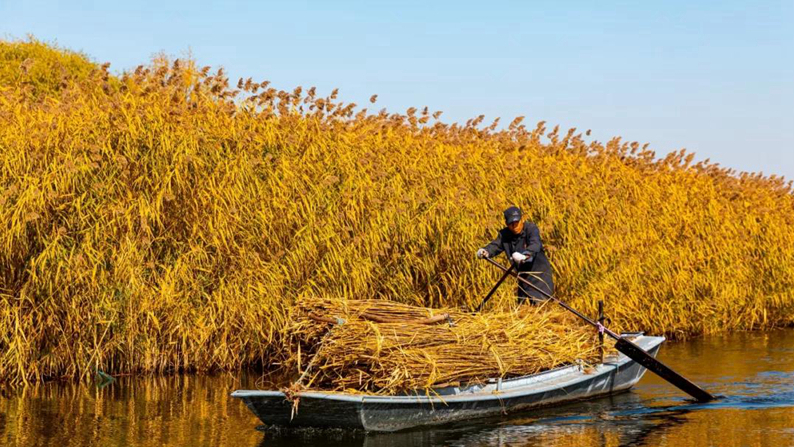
(512, 215)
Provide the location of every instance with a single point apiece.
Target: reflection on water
(754, 372)
(181, 410)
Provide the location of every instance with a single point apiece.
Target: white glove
(519, 258)
(482, 253)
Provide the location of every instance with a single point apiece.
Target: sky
(715, 78)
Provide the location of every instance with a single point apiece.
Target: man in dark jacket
(520, 240)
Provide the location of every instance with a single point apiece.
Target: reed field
(166, 219)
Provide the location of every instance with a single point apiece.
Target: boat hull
(393, 413)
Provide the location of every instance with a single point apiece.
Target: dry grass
(161, 220)
(384, 347)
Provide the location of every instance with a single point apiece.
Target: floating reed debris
(383, 347)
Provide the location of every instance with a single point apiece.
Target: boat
(375, 413)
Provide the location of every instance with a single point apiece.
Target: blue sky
(716, 78)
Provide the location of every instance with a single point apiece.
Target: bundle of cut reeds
(384, 347)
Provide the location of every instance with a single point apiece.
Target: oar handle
(493, 289)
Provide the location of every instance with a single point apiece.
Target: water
(754, 372)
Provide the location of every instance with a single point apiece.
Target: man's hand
(482, 253)
(519, 258)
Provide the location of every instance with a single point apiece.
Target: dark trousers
(531, 295)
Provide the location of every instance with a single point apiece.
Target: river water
(754, 372)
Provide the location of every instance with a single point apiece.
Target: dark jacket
(536, 269)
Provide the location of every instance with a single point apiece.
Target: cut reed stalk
(403, 352)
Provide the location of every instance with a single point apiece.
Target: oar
(631, 350)
(496, 286)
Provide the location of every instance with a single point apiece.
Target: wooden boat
(391, 413)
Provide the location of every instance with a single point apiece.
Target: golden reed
(379, 346)
(163, 221)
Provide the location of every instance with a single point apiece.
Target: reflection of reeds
(153, 411)
(386, 347)
(163, 221)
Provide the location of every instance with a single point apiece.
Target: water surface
(754, 372)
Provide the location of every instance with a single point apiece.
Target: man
(520, 240)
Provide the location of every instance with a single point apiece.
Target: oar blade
(637, 354)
